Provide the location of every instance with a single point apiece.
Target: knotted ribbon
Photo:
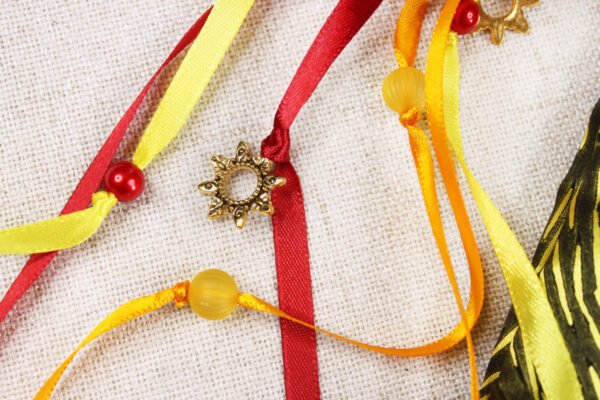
(210, 37)
(183, 93)
(301, 371)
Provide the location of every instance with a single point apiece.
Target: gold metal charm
(514, 20)
(259, 201)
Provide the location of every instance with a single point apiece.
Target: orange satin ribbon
(254, 303)
(405, 47)
(125, 313)
(178, 294)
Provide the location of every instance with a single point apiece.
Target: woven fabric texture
(69, 69)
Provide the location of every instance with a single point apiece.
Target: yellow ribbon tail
(121, 315)
(58, 233)
(542, 340)
(194, 73)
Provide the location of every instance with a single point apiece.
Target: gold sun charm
(259, 201)
(514, 20)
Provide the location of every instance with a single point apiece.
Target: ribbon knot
(410, 117)
(104, 201)
(276, 146)
(180, 292)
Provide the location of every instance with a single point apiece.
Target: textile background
(69, 69)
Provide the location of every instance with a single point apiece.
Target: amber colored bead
(213, 294)
(404, 89)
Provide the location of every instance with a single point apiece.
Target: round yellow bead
(404, 89)
(213, 294)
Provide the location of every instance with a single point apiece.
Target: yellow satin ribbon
(542, 340)
(183, 93)
(405, 47)
(58, 233)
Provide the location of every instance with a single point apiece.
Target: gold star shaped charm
(259, 201)
(514, 20)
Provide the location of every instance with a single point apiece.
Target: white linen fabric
(69, 69)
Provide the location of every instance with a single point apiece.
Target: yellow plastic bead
(404, 89)
(213, 294)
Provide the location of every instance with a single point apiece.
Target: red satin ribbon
(82, 195)
(301, 372)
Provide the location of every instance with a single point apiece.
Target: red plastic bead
(125, 180)
(466, 17)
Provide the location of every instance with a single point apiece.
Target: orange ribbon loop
(405, 47)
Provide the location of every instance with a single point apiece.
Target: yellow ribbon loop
(58, 233)
(121, 315)
(542, 340)
(183, 93)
